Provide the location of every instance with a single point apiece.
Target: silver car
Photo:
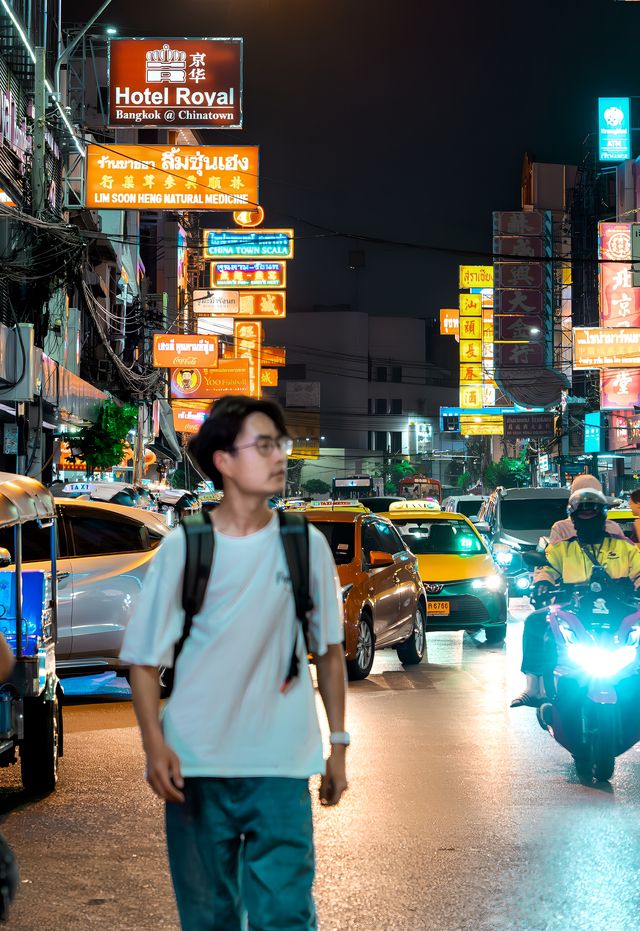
(104, 551)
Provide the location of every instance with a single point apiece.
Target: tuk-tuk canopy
(23, 499)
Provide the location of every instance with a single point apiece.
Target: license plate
(438, 607)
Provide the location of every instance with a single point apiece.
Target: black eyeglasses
(266, 445)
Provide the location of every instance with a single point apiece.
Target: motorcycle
(593, 677)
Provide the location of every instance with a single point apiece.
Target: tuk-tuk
(30, 701)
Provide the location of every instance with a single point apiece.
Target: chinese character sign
(619, 389)
(614, 242)
(176, 82)
(163, 177)
(614, 129)
(619, 300)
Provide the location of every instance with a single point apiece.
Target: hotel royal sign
(176, 82)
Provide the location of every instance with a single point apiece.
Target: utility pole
(38, 175)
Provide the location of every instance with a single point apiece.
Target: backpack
(294, 534)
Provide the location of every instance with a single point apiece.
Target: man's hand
(163, 773)
(334, 781)
(541, 593)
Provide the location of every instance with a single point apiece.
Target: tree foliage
(102, 444)
(510, 473)
(315, 486)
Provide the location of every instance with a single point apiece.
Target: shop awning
(166, 445)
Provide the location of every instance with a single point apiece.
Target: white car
(104, 551)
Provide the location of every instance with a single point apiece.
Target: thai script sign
(248, 243)
(275, 356)
(171, 350)
(188, 416)
(160, 177)
(481, 425)
(449, 322)
(476, 276)
(230, 377)
(599, 347)
(267, 304)
(215, 303)
(176, 82)
(519, 426)
(248, 274)
(614, 135)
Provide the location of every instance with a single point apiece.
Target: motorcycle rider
(565, 529)
(572, 561)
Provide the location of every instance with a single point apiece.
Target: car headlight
(504, 557)
(598, 662)
(492, 583)
(345, 591)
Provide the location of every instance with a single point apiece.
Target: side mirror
(5, 558)
(482, 526)
(378, 559)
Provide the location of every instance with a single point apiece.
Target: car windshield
(532, 513)
(446, 537)
(469, 508)
(341, 539)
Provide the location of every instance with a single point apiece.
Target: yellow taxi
(465, 588)
(624, 517)
(383, 597)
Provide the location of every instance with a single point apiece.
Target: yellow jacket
(568, 561)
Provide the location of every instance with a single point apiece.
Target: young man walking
(239, 736)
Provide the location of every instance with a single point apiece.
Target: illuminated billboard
(171, 350)
(614, 130)
(230, 377)
(248, 274)
(176, 82)
(265, 304)
(606, 347)
(164, 177)
(248, 244)
(476, 276)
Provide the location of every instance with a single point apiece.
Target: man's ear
(221, 461)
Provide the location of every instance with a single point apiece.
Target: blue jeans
(241, 855)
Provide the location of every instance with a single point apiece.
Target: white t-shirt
(226, 715)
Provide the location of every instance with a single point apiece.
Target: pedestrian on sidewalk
(239, 737)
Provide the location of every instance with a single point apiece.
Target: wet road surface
(461, 814)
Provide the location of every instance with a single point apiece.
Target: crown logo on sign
(166, 66)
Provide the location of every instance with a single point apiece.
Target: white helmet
(587, 499)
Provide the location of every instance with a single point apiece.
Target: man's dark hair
(222, 426)
(635, 496)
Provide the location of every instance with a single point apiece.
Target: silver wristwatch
(340, 738)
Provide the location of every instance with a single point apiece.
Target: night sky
(402, 121)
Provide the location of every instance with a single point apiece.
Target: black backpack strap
(294, 533)
(200, 541)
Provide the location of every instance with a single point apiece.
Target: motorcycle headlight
(598, 662)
